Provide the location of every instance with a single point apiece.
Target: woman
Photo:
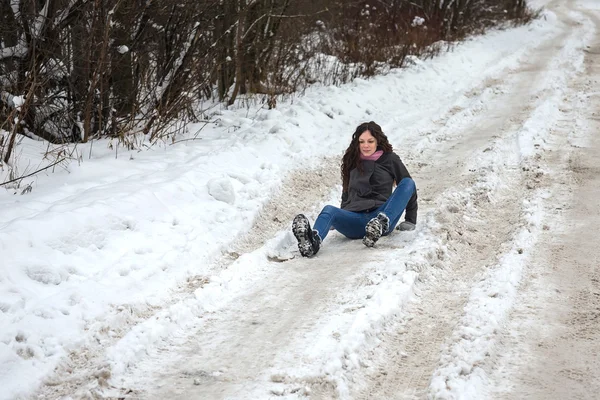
(369, 209)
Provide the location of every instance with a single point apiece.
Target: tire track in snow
(549, 345)
(470, 355)
(87, 371)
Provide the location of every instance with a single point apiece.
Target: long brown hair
(351, 158)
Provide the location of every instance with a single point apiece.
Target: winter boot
(374, 230)
(385, 223)
(309, 241)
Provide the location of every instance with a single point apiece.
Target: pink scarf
(373, 157)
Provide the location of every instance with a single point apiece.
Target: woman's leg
(395, 205)
(348, 223)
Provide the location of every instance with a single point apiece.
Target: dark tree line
(71, 70)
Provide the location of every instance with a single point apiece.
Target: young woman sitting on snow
(369, 209)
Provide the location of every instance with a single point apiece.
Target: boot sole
(301, 229)
(372, 233)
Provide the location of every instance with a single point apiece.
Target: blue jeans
(352, 224)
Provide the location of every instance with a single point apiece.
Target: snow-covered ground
(171, 273)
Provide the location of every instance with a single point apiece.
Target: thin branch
(185, 140)
(280, 16)
(33, 173)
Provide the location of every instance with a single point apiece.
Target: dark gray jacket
(371, 187)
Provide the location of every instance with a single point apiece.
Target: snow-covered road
(176, 276)
(549, 346)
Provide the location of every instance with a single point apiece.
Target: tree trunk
(123, 88)
(239, 51)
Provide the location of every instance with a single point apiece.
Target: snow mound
(222, 189)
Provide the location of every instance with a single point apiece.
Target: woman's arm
(401, 172)
(344, 199)
(399, 169)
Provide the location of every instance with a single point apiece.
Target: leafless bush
(73, 70)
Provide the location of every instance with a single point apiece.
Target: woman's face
(367, 143)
